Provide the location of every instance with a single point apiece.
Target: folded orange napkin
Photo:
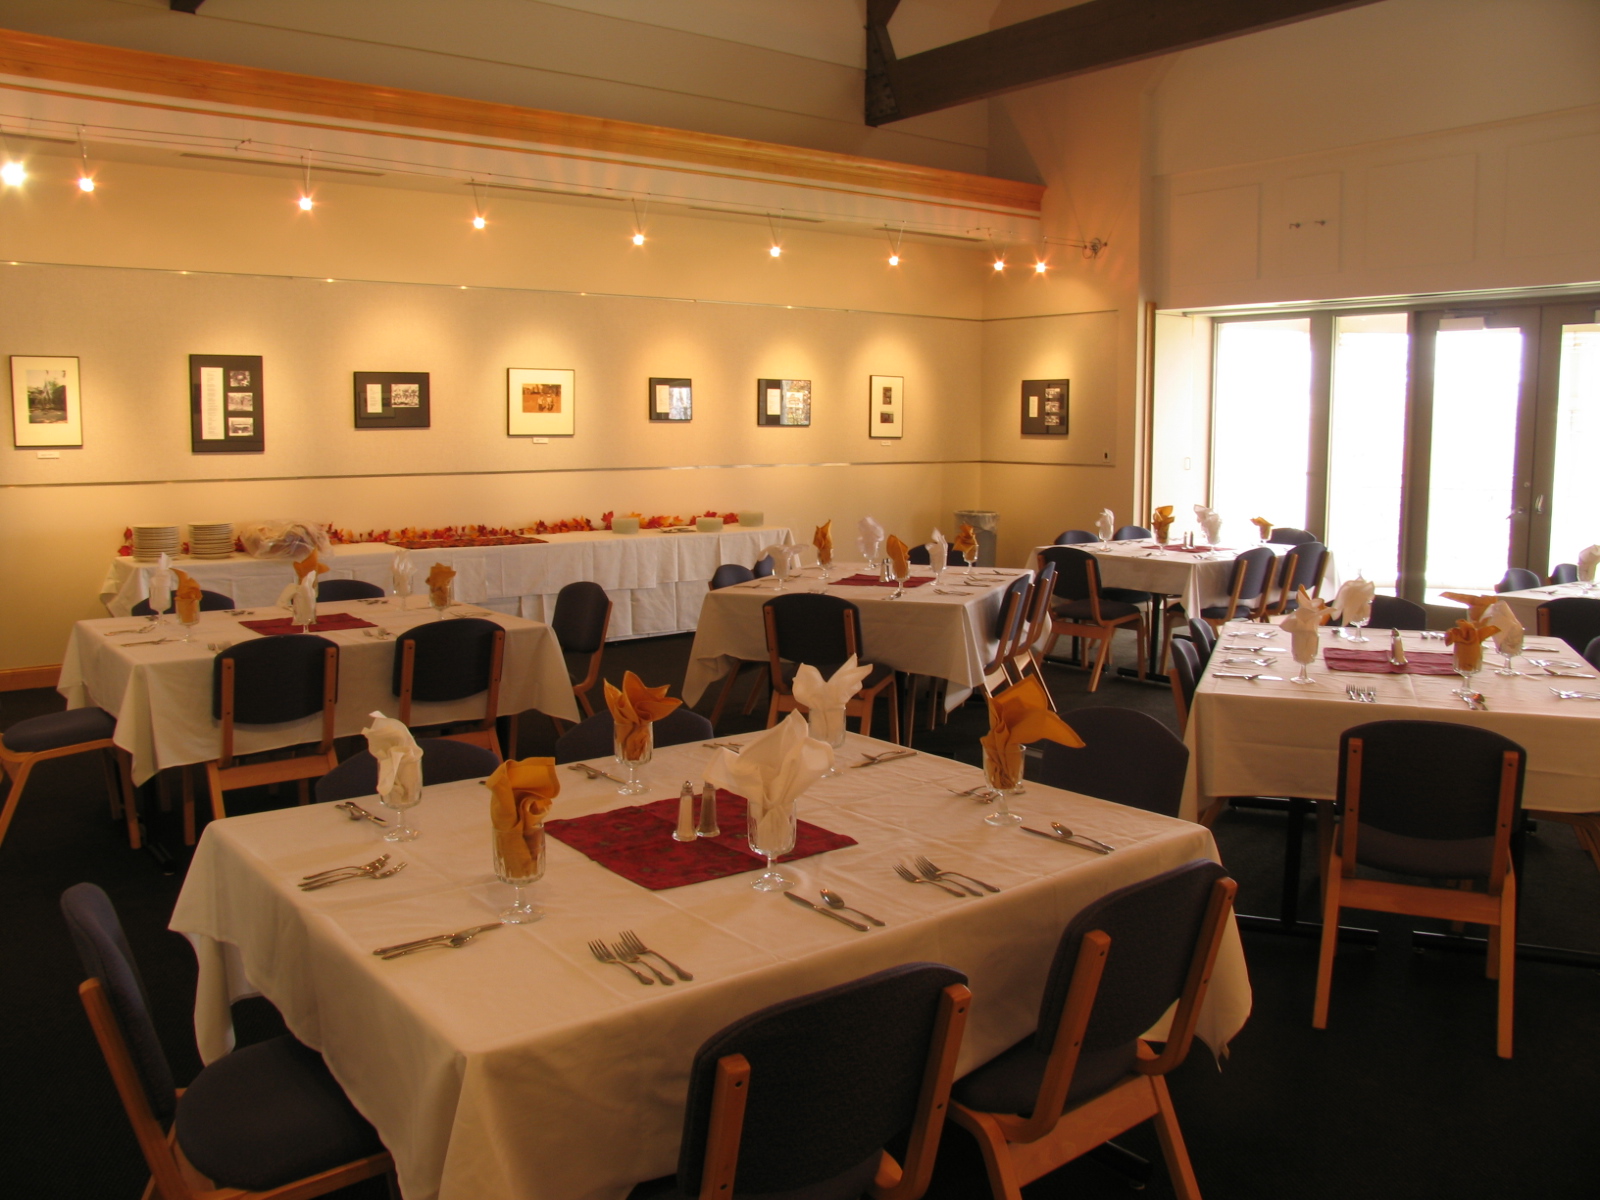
(1264, 525)
(823, 541)
(1161, 521)
(965, 540)
(1468, 637)
(633, 706)
(1017, 716)
(1476, 605)
(521, 791)
(187, 598)
(309, 564)
(897, 552)
(439, 577)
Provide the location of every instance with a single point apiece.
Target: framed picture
(392, 400)
(671, 399)
(1044, 406)
(885, 394)
(539, 403)
(46, 408)
(783, 402)
(225, 404)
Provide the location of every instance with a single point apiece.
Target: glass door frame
(1547, 406)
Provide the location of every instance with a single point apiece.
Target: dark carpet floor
(1402, 1096)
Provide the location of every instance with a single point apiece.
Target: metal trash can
(983, 523)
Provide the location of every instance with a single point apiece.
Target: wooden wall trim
(18, 679)
(34, 56)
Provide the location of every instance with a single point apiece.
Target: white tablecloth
(1526, 604)
(161, 695)
(656, 580)
(1271, 738)
(947, 637)
(518, 1067)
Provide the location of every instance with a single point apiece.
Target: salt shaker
(886, 571)
(708, 812)
(685, 831)
(1397, 652)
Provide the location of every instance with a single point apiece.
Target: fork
(603, 953)
(1565, 695)
(374, 865)
(633, 958)
(632, 941)
(910, 877)
(925, 865)
(384, 873)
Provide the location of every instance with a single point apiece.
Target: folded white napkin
(1587, 560)
(1353, 601)
(1105, 524)
(1210, 521)
(160, 584)
(774, 768)
(303, 601)
(399, 759)
(869, 539)
(826, 698)
(938, 551)
(783, 559)
(1302, 625)
(401, 571)
(1509, 638)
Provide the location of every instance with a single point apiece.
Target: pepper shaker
(685, 831)
(708, 812)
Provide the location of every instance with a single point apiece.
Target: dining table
(158, 685)
(517, 1065)
(1525, 604)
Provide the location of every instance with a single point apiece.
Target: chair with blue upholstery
(919, 556)
(799, 1100)
(333, 590)
(440, 661)
(764, 567)
(1204, 638)
(1184, 672)
(1564, 573)
(58, 735)
(1010, 629)
(1573, 619)
(209, 602)
(1288, 535)
(724, 576)
(1518, 579)
(1084, 609)
(1075, 537)
(1025, 659)
(1086, 1075)
(1127, 757)
(1392, 612)
(580, 622)
(1249, 587)
(1591, 652)
(729, 574)
(594, 737)
(1302, 567)
(268, 1119)
(824, 631)
(1131, 533)
(443, 761)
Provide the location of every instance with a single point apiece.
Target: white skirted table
(518, 1067)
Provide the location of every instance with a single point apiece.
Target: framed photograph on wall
(1044, 406)
(46, 408)
(539, 403)
(783, 402)
(225, 404)
(885, 394)
(392, 400)
(671, 399)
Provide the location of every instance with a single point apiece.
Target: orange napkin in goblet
(521, 791)
(1264, 525)
(1161, 521)
(1468, 637)
(309, 564)
(1020, 715)
(1476, 605)
(898, 553)
(633, 706)
(965, 540)
(439, 577)
(187, 598)
(823, 541)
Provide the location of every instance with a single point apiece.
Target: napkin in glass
(1588, 558)
(1105, 524)
(1211, 522)
(633, 706)
(439, 577)
(899, 557)
(966, 539)
(869, 539)
(311, 565)
(1301, 625)
(1161, 521)
(822, 539)
(826, 698)
(303, 600)
(1264, 525)
(401, 571)
(771, 772)
(1353, 601)
(1017, 716)
(398, 756)
(159, 585)
(937, 555)
(1477, 605)
(521, 791)
(1467, 638)
(1508, 639)
(187, 598)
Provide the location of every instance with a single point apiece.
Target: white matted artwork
(539, 403)
(46, 409)
(885, 397)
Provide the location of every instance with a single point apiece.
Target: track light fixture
(306, 202)
(894, 245)
(776, 249)
(638, 238)
(479, 221)
(85, 179)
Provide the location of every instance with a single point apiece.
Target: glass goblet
(1303, 648)
(970, 557)
(771, 834)
(901, 574)
(1004, 777)
(442, 597)
(827, 725)
(1468, 662)
(188, 617)
(780, 571)
(520, 875)
(1360, 625)
(634, 783)
(402, 587)
(399, 800)
(825, 561)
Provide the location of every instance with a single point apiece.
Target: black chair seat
(1221, 611)
(54, 730)
(851, 1185)
(1009, 1082)
(1126, 595)
(269, 1114)
(1083, 610)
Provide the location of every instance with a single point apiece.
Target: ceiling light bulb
(894, 260)
(306, 203)
(1039, 267)
(775, 251)
(638, 239)
(478, 222)
(85, 184)
(12, 174)
(999, 264)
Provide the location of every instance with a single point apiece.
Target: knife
(441, 937)
(827, 912)
(593, 772)
(887, 756)
(1065, 841)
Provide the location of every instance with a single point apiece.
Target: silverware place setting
(1248, 662)
(633, 944)
(152, 642)
(1363, 695)
(442, 941)
(982, 793)
(592, 772)
(1567, 674)
(345, 874)
(356, 813)
(872, 760)
(1561, 694)
(922, 863)
(374, 865)
(1473, 700)
(1095, 847)
(145, 628)
(606, 954)
(826, 912)
(736, 747)
(910, 876)
(836, 902)
(1250, 677)
(1559, 663)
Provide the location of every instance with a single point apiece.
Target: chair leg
(585, 703)
(1139, 644)
(1330, 942)
(1506, 949)
(108, 764)
(1003, 1181)
(23, 770)
(728, 681)
(214, 778)
(772, 709)
(1100, 662)
(892, 695)
(1179, 1169)
(130, 797)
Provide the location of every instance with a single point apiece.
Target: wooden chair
(1573, 619)
(1010, 629)
(1250, 588)
(1075, 537)
(1391, 612)
(729, 575)
(1184, 673)
(1518, 579)
(315, 1142)
(1024, 660)
(1131, 533)
(1564, 573)
(1082, 608)
(1204, 638)
(1288, 535)
(823, 631)
(1128, 757)
(440, 661)
(266, 682)
(57, 735)
(1434, 800)
(581, 620)
(1302, 567)
(801, 1098)
(1086, 1075)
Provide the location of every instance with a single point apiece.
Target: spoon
(1082, 837)
(835, 901)
(322, 883)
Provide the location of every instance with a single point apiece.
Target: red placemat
(1376, 662)
(323, 624)
(636, 843)
(874, 581)
(456, 543)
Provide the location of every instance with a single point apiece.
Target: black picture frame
(227, 408)
(1045, 406)
(670, 399)
(375, 395)
(783, 402)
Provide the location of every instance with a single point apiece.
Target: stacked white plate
(152, 541)
(211, 540)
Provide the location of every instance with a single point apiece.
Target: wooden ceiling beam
(1086, 37)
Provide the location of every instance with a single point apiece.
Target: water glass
(900, 578)
(634, 783)
(521, 911)
(1303, 648)
(189, 617)
(1468, 662)
(1004, 777)
(442, 597)
(827, 725)
(398, 800)
(780, 571)
(772, 834)
(402, 586)
(970, 556)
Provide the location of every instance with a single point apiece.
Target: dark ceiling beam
(188, 6)
(1099, 33)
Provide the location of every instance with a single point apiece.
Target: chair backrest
(1204, 638)
(764, 567)
(1185, 675)
(1592, 653)
(920, 555)
(1288, 535)
(1077, 574)
(1075, 537)
(1303, 567)
(209, 602)
(593, 736)
(451, 660)
(1564, 573)
(1127, 757)
(808, 628)
(274, 678)
(348, 589)
(103, 950)
(1130, 533)
(1429, 797)
(1391, 612)
(1573, 619)
(1518, 579)
(583, 611)
(729, 574)
(1252, 573)
(1011, 622)
(1038, 618)
(444, 760)
(833, 1076)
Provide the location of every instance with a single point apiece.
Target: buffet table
(519, 1068)
(656, 580)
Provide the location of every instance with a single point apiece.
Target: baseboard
(19, 679)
